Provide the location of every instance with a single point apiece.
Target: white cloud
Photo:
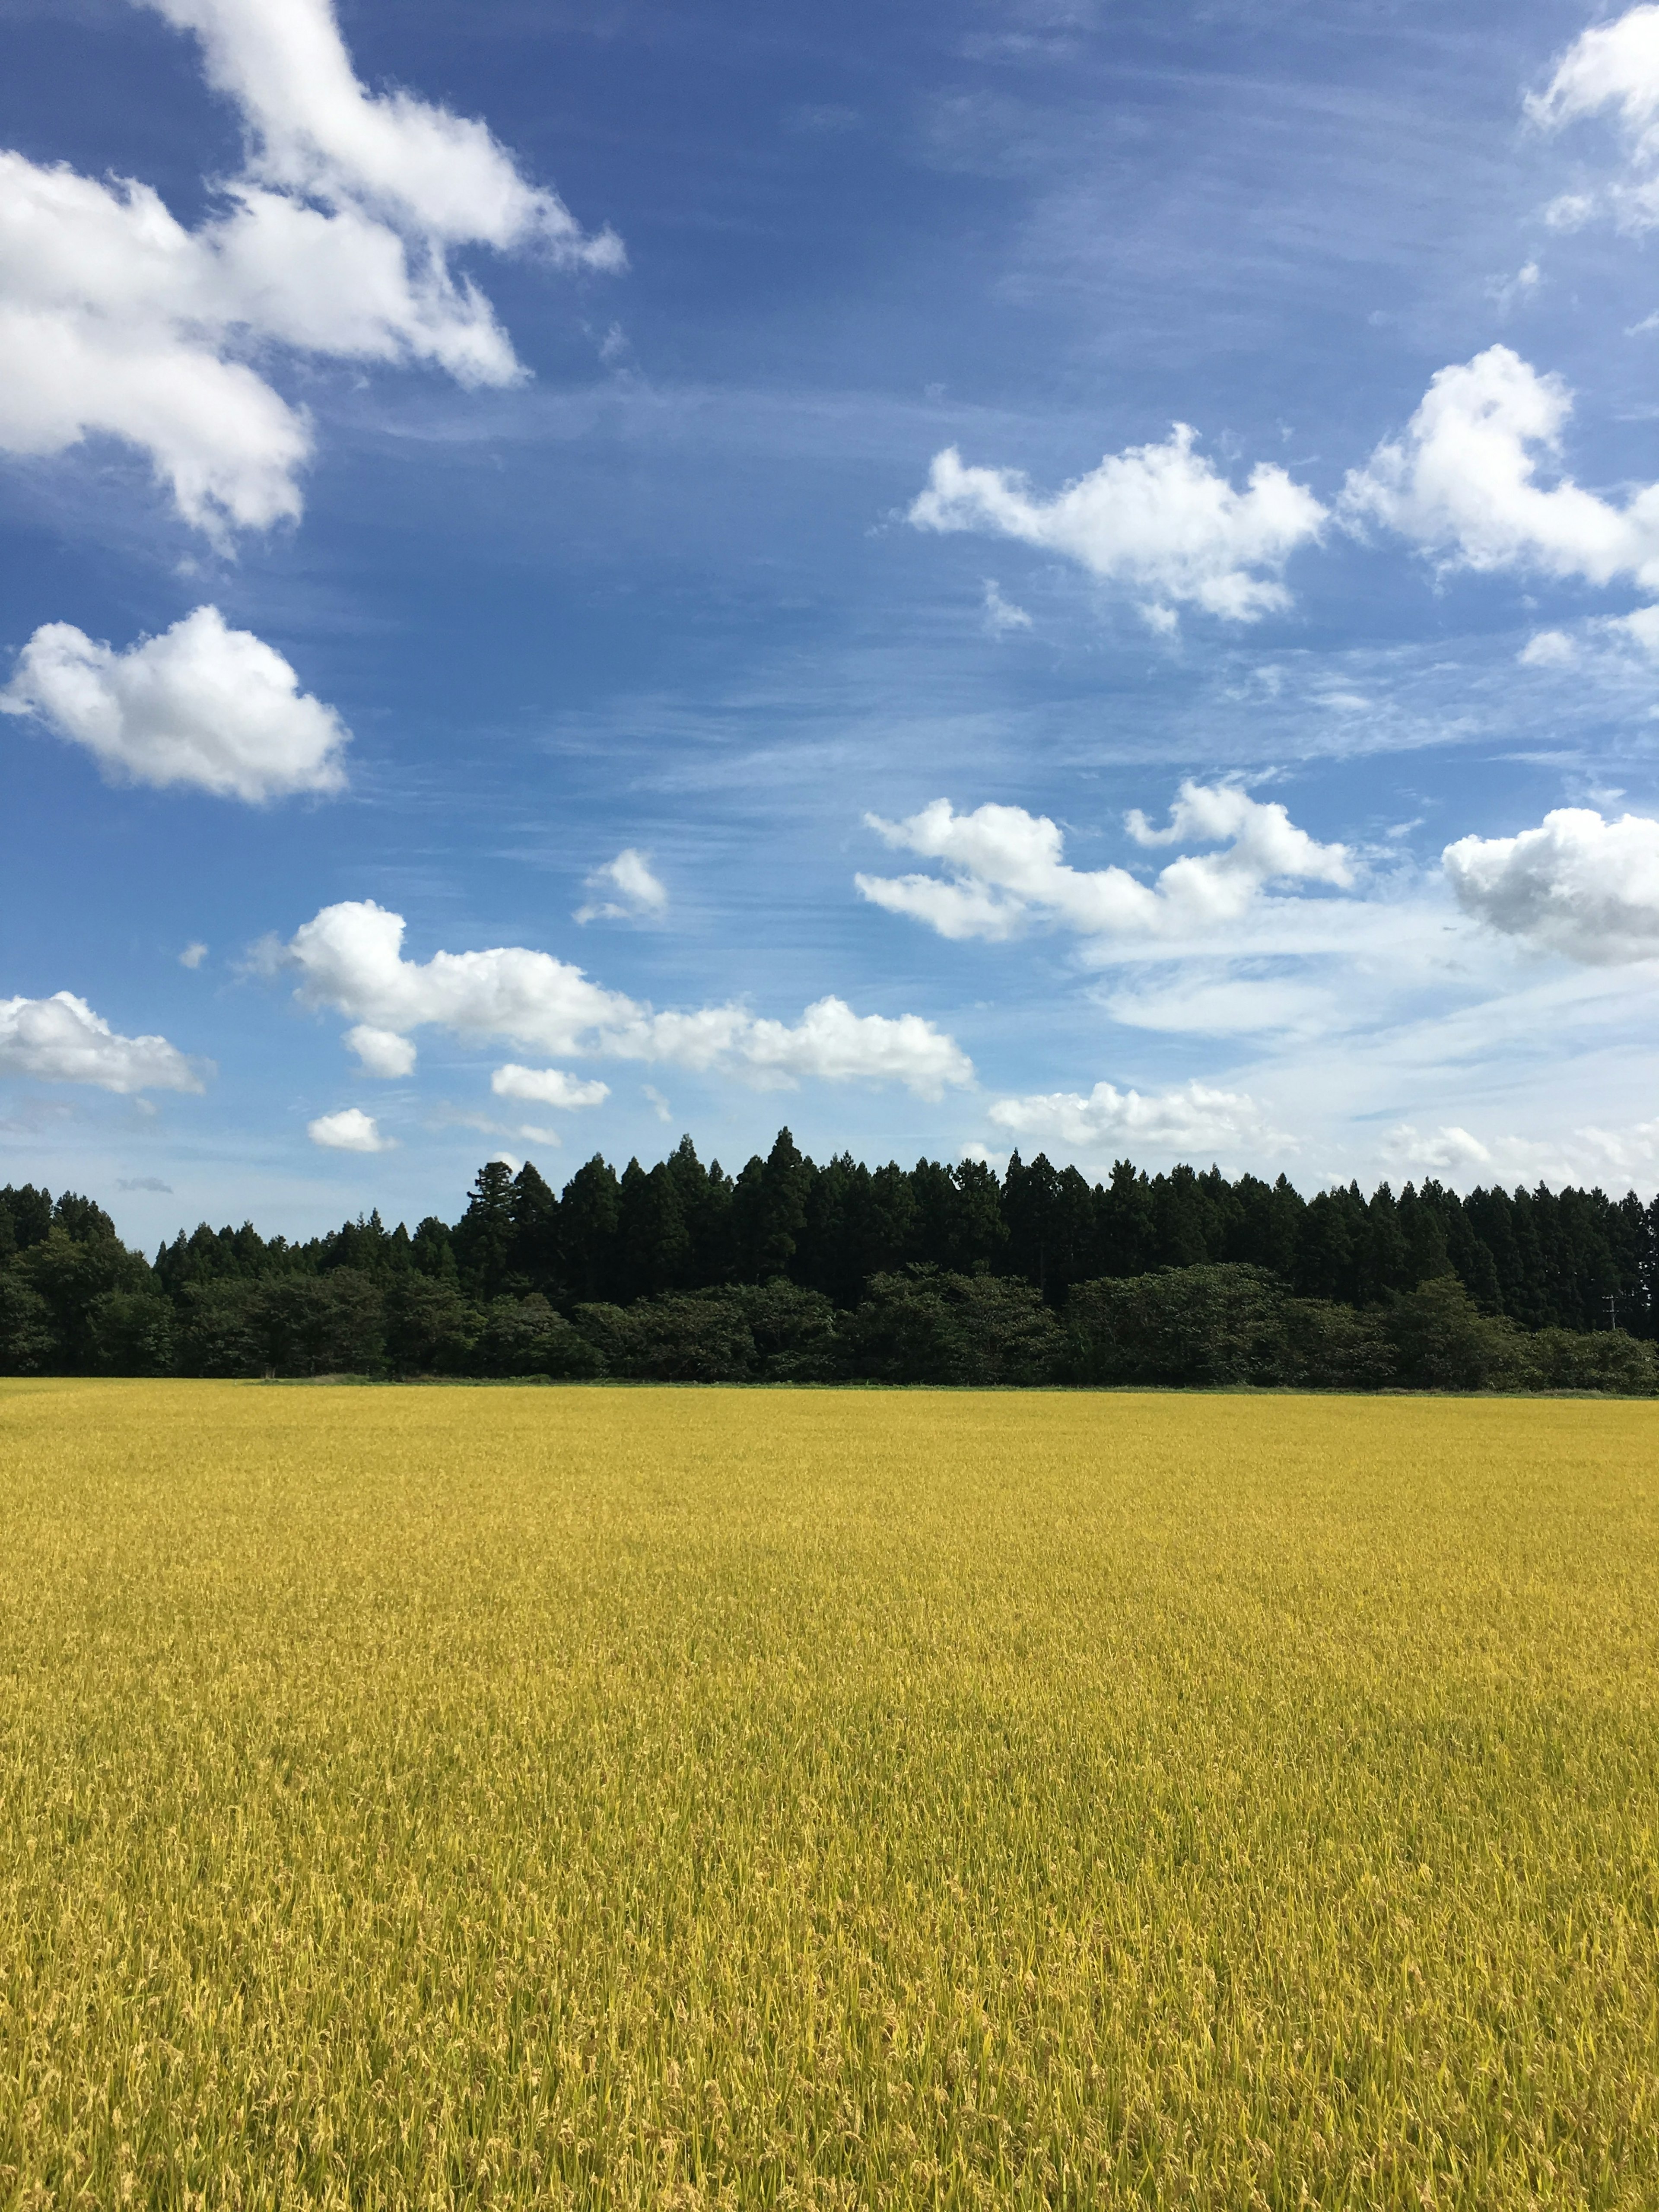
(350, 1130)
(1192, 1117)
(1157, 520)
(1630, 1152)
(1548, 648)
(61, 1040)
(629, 890)
(201, 705)
(381, 1052)
(318, 133)
(116, 319)
(113, 321)
(1570, 211)
(1213, 999)
(1002, 617)
(450, 1117)
(835, 1045)
(1462, 482)
(1506, 290)
(193, 955)
(1585, 1154)
(547, 1086)
(1442, 1151)
(659, 1105)
(1641, 627)
(350, 956)
(1578, 884)
(1006, 869)
(1612, 65)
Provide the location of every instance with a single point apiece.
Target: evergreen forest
(794, 1272)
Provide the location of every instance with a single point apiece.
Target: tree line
(793, 1271)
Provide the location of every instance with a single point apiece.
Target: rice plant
(670, 1798)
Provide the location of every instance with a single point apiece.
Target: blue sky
(713, 473)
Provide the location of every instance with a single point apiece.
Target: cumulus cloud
(1578, 884)
(1628, 1152)
(350, 1130)
(193, 955)
(115, 319)
(1159, 521)
(1641, 627)
(381, 1052)
(1445, 1151)
(835, 1045)
(1191, 1118)
(1611, 66)
(628, 892)
(1585, 1155)
(1548, 648)
(1462, 483)
(547, 1086)
(1006, 869)
(202, 705)
(350, 956)
(61, 1040)
(318, 133)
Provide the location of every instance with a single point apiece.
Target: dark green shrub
(321, 1324)
(28, 1342)
(72, 1274)
(132, 1332)
(700, 1337)
(795, 1332)
(1204, 1325)
(920, 1326)
(526, 1336)
(1565, 1359)
(1445, 1342)
(430, 1328)
(220, 1332)
(1332, 1347)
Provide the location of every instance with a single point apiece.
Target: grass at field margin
(674, 1798)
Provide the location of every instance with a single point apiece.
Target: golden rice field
(673, 1798)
